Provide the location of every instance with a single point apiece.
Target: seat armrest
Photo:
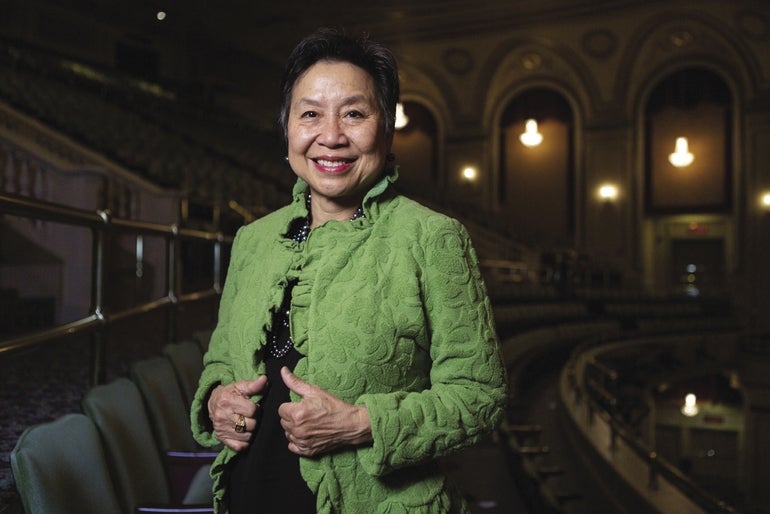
(195, 457)
(181, 468)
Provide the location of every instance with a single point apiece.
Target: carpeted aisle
(35, 387)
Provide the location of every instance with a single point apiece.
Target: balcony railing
(104, 227)
(587, 391)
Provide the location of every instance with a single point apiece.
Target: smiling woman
(355, 345)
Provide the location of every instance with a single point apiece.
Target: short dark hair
(328, 44)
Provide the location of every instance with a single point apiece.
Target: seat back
(118, 412)
(169, 418)
(60, 466)
(203, 337)
(187, 359)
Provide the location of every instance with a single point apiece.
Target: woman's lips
(332, 165)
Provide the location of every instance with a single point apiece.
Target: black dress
(265, 477)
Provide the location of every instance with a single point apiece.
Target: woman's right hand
(227, 403)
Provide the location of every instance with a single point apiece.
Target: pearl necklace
(277, 348)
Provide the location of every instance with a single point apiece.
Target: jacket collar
(370, 201)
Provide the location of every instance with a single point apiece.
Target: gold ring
(240, 425)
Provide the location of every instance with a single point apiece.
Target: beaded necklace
(300, 234)
(280, 342)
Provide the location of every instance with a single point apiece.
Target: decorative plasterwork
(599, 44)
(457, 61)
(531, 61)
(680, 39)
(753, 25)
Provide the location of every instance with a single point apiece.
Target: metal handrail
(599, 398)
(86, 325)
(658, 465)
(103, 226)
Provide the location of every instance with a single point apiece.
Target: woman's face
(335, 132)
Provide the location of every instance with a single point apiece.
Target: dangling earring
(286, 158)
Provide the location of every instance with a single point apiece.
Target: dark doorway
(698, 266)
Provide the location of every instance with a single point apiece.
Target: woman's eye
(354, 114)
(309, 114)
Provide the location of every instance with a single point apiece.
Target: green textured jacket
(389, 311)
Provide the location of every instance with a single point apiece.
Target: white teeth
(323, 162)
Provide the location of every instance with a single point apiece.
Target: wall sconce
(764, 201)
(401, 118)
(530, 136)
(608, 192)
(681, 156)
(690, 407)
(470, 173)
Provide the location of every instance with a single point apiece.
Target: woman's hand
(321, 422)
(226, 406)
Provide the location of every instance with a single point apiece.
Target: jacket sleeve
(217, 369)
(468, 385)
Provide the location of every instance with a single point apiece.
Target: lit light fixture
(608, 192)
(401, 118)
(690, 407)
(161, 15)
(681, 156)
(765, 200)
(470, 173)
(530, 136)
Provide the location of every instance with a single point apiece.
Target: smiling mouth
(333, 166)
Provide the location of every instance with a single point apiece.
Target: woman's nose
(332, 132)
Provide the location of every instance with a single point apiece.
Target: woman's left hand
(321, 422)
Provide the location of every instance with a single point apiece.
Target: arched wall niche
(503, 102)
(536, 185)
(418, 149)
(522, 64)
(696, 105)
(426, 89)
(737, 93)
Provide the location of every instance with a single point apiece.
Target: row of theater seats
(117, 123)
(129, 450)
(532, 469)
(645, 316)
(535, 466)
(527, 352)
(523, 315)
